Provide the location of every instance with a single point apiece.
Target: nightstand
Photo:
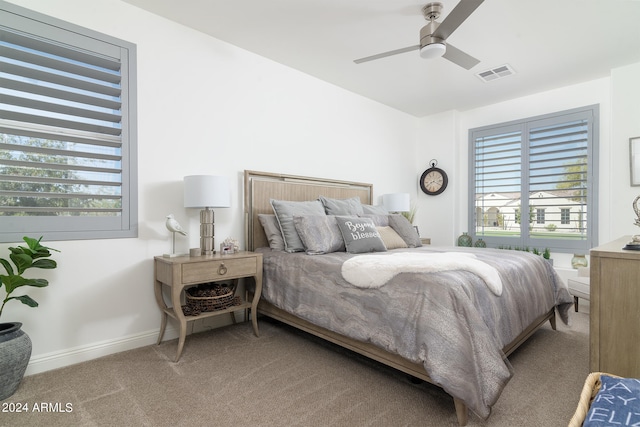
(181, 272)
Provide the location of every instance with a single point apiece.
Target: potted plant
(15, 344)
(411, 213)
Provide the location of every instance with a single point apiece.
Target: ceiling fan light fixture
(433, 50)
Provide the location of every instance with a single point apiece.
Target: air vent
(495, 73)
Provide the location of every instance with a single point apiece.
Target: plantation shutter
(558, 171)
(66, 139)
(533, 182)
(498, 177)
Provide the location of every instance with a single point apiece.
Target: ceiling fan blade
(460, 58)
(385, 54)
(456, 17)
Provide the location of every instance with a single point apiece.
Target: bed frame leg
(461, 412)
(552, 321)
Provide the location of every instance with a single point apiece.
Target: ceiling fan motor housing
(431, 46)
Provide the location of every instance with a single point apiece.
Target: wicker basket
(209, 297)
(591, 387)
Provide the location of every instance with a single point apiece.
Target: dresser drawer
(211, 271)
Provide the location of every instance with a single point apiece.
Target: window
(546, 166)
(67, 130)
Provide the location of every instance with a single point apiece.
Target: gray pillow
(272, 231)
(404, 228)
(374, 210)
(360, 235)
(285, 210)
(319, 234)
(351, 206)
(378, 220)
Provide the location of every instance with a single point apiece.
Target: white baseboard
(60, 359)
(71, 356)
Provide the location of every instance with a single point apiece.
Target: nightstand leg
(254, 320)
(256, 298)
(183, 336)
(163, 326)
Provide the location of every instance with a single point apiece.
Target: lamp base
(173, 255)
(206, 232)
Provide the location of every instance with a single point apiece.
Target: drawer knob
(222, 269)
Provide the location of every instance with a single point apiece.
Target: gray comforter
(448, 321)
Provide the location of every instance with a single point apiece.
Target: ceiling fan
(433, 36)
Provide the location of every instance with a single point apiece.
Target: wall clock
(434, 180)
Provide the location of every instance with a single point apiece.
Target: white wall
(625, 124)
(439, 140)
(204, 106)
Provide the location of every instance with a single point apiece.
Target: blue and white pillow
(617, 403)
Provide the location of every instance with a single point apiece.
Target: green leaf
(7, 266)
(38, 283)
(22, 261)
(31, 242)
(12, 282)
(26, 299)
(44, 263)
(37, 248)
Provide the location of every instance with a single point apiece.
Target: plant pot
(15, 352)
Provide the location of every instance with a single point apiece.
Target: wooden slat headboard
(260, 187)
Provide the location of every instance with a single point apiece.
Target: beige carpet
(228, 377)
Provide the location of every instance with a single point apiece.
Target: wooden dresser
(614, 345)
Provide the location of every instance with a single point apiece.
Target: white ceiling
(549, 44)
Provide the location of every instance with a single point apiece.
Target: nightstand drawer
(211, 271)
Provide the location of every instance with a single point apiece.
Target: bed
(449, 325)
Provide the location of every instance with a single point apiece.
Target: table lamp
(206, 192)
(397, 202)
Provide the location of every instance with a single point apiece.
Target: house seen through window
(67, 130)
(533, 182)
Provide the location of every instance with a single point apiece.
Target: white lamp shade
(206, 191)
(433, 50)
(397, 202)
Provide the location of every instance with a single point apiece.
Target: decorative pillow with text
(360, 235)
(617, 403)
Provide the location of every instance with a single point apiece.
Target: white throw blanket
(373, 271)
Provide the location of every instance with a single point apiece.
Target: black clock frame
(445, 181)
